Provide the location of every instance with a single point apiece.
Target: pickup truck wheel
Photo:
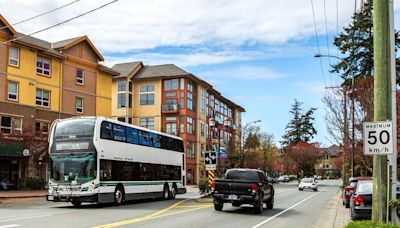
(270, 203)
(76, 203)
(218, 205)
(258, 207)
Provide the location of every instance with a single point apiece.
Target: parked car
(272, 180)
(284, 178)
(349, 189)
(308, 183)
(243, 186)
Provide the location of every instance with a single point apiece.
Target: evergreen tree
(355, 43)
(301, 127)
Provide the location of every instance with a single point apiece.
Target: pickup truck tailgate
(233, 187)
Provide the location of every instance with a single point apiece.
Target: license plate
(232, 197)
(50, 198)
(348, 193)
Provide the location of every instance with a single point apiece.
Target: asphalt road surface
(292, 209)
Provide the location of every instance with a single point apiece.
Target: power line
(39, 15)
(60, 23)
(327, 40)
(316, 36)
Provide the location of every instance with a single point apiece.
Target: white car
(308, 183)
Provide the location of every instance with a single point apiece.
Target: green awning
(11, 149)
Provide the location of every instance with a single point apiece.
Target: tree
(355, 42)
(305, 156)
(301, 127)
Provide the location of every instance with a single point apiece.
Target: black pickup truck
(243, 186)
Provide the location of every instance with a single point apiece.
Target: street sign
(378, 138)
(210, 160)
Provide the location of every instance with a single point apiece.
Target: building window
(202, 101)
(182, 102)
(182, 125)
(190, 97)
(147, 122)
(41, 129)
(11, 125)
(170, 128)
(122, 119)
(14, 56)
(121, 94)
(170, 84)
(146, 94)
(42, 98)
(12, 91)
(190, 149)
(182, 83)
(79, 104)
(202, 128)
(189, 125)
(80, 77)
(43, 66)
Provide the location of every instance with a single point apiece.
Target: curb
(21, 197)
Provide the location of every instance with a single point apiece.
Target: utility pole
(382, 103)
(345, 139)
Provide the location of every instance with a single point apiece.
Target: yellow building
(43, 81)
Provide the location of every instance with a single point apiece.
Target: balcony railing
(169, 108)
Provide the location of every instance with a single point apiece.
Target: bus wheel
(166, 192)
(172, 193)
(76, 203)
(118, 195)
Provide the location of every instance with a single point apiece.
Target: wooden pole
(382, 102)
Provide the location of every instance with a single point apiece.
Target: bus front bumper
(72, 198)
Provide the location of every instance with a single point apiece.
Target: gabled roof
(125, 69)
(332, 151)
(37, 43)
(65, 44)
(167, 70)
(107, 70)
(9, 27)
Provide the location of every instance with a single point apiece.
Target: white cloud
(128, 25)
(313, 87)
(243, 73)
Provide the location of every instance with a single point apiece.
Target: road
(292, 209)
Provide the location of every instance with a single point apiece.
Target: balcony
(169, 108)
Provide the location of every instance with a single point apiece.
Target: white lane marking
(32, 217)
(287, 209)
(9, 226)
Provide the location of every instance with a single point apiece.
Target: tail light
(358, 200)
(213, 186)
(254, 188)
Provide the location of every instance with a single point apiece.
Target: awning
(11, 149)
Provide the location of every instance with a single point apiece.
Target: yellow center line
(134, 220)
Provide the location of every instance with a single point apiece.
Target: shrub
(203, 185)
(35, 183)
(370, 224)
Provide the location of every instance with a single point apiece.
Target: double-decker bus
(95, 159)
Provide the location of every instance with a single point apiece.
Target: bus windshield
(75, 128)
(74, 169)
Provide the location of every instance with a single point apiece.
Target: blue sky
(258, 53)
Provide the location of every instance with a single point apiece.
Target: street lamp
(242, 140)
(352, 107)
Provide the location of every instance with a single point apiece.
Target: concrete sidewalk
(335, 214)
(22, 194)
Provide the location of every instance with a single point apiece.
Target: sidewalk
(335, 215)
(22, 194)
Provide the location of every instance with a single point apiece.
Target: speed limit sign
(378, 138)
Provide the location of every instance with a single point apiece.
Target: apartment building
(40, 82)
(169, 99)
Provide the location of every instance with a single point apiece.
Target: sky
(257, 53)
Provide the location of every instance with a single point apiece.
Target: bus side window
(119, 133)
(106, 131)
(132, 135)
(155, 139)
(144, 138)
(181, 149)
(164, 142)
